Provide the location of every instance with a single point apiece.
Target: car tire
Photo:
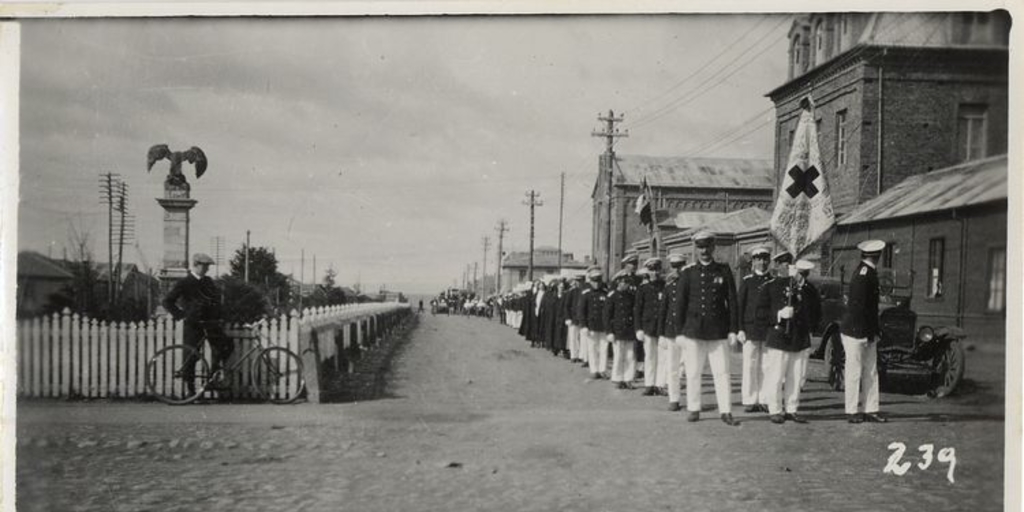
(949, 369)
(835, 361)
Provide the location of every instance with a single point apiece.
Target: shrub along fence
(65, 355)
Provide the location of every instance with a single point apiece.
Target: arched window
(819, 42)
(795, 53)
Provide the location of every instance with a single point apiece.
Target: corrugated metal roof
(975, 182)
(732, 223)
(540, 259)
(684, 220)
(674, 171)
(33, 264)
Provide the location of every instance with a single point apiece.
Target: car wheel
(949, 369)
(835, 361)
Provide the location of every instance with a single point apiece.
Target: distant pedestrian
(859, 332)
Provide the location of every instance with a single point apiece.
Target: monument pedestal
(176, 205)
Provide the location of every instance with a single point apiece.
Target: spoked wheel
(835, 362)
(949, 369)
(165, 375)
(277, 375)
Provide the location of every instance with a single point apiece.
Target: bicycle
(275, 374)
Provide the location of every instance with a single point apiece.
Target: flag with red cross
(803, 210)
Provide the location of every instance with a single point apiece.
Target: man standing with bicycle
(201, 311)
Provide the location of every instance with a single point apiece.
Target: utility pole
(532, 201)
(610, 133)
(502, 228)
(561, 211)
(217, 248)
(314, 269)
(483, 271)
(247, 247)
(121, 208)
(476, 284)
(108, 193)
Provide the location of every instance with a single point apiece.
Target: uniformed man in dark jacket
(707, 301)
(788, 307)
(572, 298)
(648, 306)
(579, 319)
(669, 327)
(593, 310)
(622, 329)
(752, 333)
(859, 332)
(200, 309)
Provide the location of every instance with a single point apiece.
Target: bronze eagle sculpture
(193, 155)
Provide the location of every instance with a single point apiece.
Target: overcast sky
(386, 147)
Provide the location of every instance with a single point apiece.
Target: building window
(936, 255)
(819, 42)
(841, 137)
(971, 124)
(796, 55)
(997, 279)
(889, 253)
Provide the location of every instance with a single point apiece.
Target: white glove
(742, 336)
(639, 335)
(610, 337)
(568, 322)
(732, 338)
(785, 313)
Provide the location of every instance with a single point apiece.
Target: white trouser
(665, 363)
(754, 370)
(572, 340)
(783, 375)
(861, 374)
(651, 367)
(595, 344)
(584, 342)
(676, 369)
(695, 354)
(623, 361)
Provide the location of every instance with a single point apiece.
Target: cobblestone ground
(474, 419)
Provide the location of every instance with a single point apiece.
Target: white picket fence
(67, 355)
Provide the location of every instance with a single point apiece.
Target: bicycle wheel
(277, 375)
(164, 375)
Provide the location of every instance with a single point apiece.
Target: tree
(263, 274)
(242, 302)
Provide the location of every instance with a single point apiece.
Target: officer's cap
(783, 257)
(652, 263)
(200, 258)
(594, 274)
(870, 247)
(675, 257)
(580, 275)
(703, 238)
(632, 258)
(804, 265)
(643, 272)
(760, 251)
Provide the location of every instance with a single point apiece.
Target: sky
(386, 147)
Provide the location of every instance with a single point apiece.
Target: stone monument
(176, 204)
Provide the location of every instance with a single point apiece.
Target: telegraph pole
(247, 233)
(487, 245)
(610, 133)
(561, 211)
(108, 194)
(476, 284)
(122, 210)
(532, 201)
(217, 248)
(502, 228)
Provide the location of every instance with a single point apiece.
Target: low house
(39, 278)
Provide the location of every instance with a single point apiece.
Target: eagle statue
(193, 155)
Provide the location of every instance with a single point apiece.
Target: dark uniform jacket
(526, 302)
(200, 298)
(593, 305)
(707, 300)
(619, 315)
(670, 318)
(648, 306)
(570, 301)
(806, 314)
(860, 320)
(750, 290)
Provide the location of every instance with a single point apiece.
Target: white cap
(676, 257)
(804, 265)
(871, 246)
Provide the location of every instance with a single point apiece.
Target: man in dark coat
(788, 307)
(526, 322)
(859, 331)
(752, 333)
(622, 330)
(572, 297)
(593, 310)
(707, 301)
(201, 311)
(670, 325)
(648, 305)
(561, 292)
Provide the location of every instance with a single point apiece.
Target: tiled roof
(974, 182)
(729, 173)
(540, 259)
(33, 264)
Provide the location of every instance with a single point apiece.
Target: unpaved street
(474, 419)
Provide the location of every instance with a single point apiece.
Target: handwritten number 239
(895, 467)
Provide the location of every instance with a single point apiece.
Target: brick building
(515, 265)
(711, 186)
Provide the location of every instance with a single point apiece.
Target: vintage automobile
(934, 354)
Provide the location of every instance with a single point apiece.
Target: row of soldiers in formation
(675, 322)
